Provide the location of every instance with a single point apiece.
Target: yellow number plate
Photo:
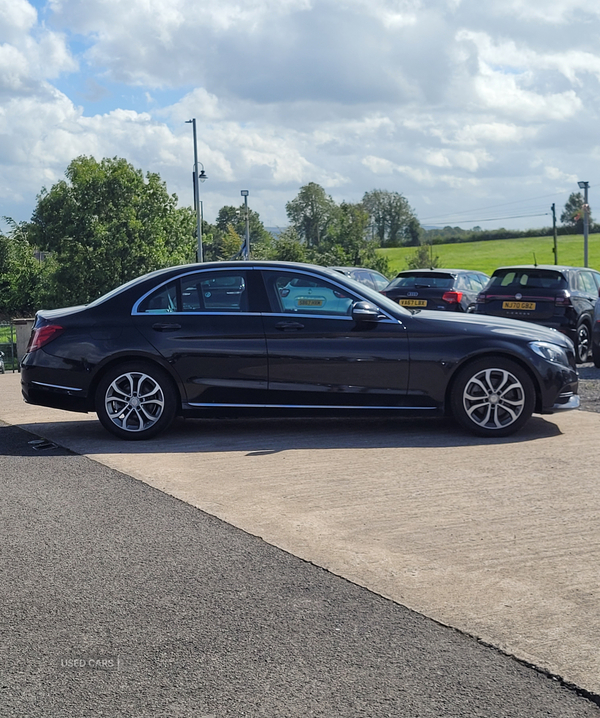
(413, 302)
(310, 302)
(528, 306)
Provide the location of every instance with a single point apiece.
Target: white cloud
(447, 101)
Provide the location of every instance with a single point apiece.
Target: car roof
(554, 267)
(440, 270)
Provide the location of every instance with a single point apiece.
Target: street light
(586, 220)
(245, 194)
(197, 179)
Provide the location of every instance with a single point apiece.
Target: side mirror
(365, 312)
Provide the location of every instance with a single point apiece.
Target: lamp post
(197, 179)
(586, 220)
(245, 194)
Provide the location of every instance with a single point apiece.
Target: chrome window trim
(331, 279)
(56, 386)
(134, 310)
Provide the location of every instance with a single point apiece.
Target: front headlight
(550, 352)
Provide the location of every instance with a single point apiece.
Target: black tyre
(136, 400)
(492, 397)
(584, 342)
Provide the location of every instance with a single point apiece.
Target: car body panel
(256, 351)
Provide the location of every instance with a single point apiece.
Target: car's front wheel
(584, 341)
(136, 400)
(492, 397)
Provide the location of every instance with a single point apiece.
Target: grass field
(487, 256)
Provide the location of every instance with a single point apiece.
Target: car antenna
(534, 260)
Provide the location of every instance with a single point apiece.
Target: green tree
(347, 241)
(23, 278)
(311, 213)
(106, 224)
(572, 215)
(423, 258)
(392, 217)
(288, 247)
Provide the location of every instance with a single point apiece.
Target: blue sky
(478, 113)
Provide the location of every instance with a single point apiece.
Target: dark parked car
(205, 339)
(370, 277)
(450, 290)
(562, 298)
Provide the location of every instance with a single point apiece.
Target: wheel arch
(125, 359)
(493, 355)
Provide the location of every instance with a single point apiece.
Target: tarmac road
(207, 620)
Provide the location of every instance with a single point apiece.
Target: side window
(224, 291)
(586, 283)
(476, 284)
(294, 293)
(380, 282)
(162, 301)
(364, 277)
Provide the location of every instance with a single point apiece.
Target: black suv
(561, 298)
(453, 290)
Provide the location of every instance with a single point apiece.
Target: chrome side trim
(309, 406)
(56, 386)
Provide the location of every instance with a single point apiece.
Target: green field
(487, 256)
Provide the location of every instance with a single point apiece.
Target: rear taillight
(563, 298)
(481, 298)
(452, 297)
(42, 335)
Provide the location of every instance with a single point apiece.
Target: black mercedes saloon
(270, 337)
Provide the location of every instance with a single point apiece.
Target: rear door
(207, 327)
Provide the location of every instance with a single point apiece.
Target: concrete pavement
(500, 539)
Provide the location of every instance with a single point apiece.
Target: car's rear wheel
(584, 341)
(136, 400)
(492, 397)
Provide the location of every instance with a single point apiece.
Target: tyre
(492, 397)
(136, 400)
(584, 342)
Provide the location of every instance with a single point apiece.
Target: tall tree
(106, 224)
(392, 217)
(311, 213)
(572, 215)
(23, 278)
(347, 241)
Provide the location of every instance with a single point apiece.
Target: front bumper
(572, 402)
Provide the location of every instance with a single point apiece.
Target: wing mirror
(366, 312)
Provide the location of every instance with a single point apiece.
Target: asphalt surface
(195, 618)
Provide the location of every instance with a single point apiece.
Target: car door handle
(166, 327)
(289, 326)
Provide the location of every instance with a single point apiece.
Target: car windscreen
(437, 280)
(527, 278)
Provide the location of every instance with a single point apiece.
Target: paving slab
(497, 538)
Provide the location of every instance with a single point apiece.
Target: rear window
(435, 279)
(528, 279)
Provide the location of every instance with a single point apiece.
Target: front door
(319, 356)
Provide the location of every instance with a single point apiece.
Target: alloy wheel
(134, 401)
(493, 398)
